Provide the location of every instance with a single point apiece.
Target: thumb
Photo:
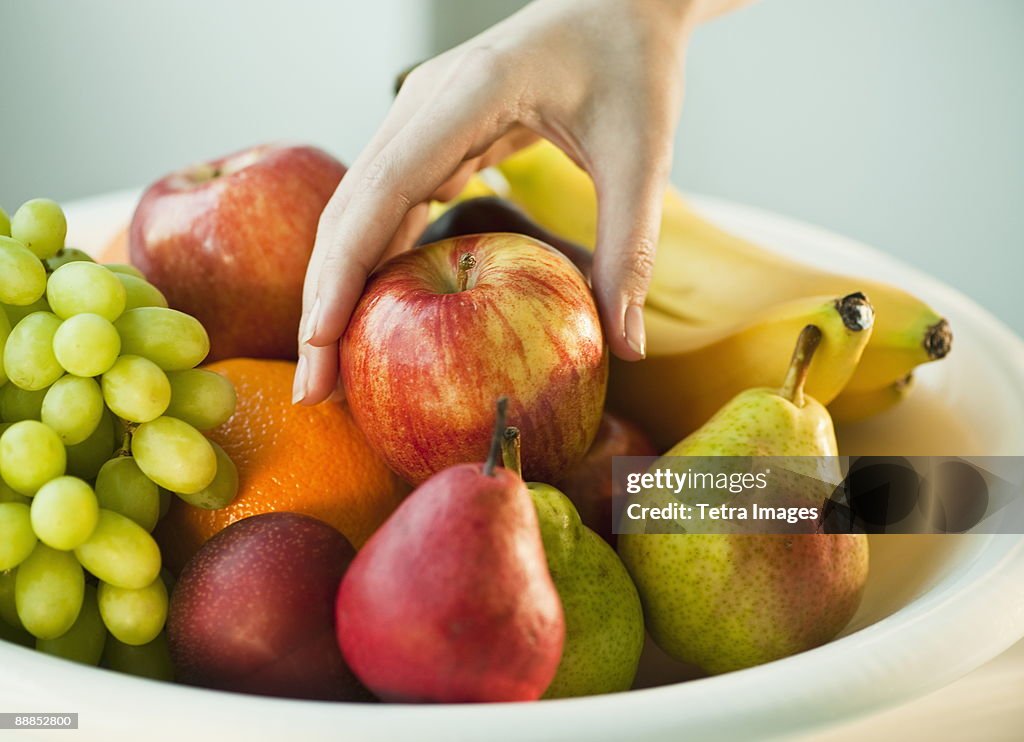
(630, 191)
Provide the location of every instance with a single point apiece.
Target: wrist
(677, 17)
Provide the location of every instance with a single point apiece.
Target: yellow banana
(705, 277)
(852, 406)
(687, 376)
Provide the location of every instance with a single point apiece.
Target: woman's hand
(601, 79)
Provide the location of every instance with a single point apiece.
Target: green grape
(134, 616)
(86, 345)
(73, 407)
(28, 355)
(151, 660)
(80, 288)
(85, 640)
(5, 223)
(136, 389)
(173, 340)
(125, 270)
(17, 313)
(22, 276)
(8, 609)
(123, 488)
(86, 458)
(31, 454)
(201, 398)
(9, 495)
(17, 404)
(65, 513)
(16, 537)
(140, 293)
(222, 490)
(48, 592)
(174, 455)
(68, 255)
(120, 552)
(40, 225)
(5, 331)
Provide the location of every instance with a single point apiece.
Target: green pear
(726, 601)
(604, 623)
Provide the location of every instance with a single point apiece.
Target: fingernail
(636, 337)
(309, 328)
(299, 387)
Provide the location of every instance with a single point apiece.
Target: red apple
(228, 241)
(253, 611)
(444, 330)
(590, 485)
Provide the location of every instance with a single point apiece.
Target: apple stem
(499, 431)
(800, 364)
(467, 262)
(511, 451)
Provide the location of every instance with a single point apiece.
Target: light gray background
(897, 122)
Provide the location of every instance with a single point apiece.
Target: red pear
(451, 599)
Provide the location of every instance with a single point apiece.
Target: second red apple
(227, 241)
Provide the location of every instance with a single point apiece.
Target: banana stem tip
(857, 313)
(938, 340)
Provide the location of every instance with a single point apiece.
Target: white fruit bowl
(935, 608)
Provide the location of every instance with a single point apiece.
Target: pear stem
(499, 432)
(467, 262)
(800, 364)
(511, 451)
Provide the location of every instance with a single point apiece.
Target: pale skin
(601, 79)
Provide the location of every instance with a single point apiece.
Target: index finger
(404, 173)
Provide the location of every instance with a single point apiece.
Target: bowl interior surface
(926, 618)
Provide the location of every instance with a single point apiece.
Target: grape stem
(126, 438)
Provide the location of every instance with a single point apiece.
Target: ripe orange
(311, 460)
(116, 250)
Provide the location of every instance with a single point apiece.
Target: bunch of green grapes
(101, 413)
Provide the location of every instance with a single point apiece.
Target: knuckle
(415, 77)
(350, 264)
(641, 264)
(332, 210)
(379, 175)
(383, 180)
(626, 269)
(483, 67)
(332, 267)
